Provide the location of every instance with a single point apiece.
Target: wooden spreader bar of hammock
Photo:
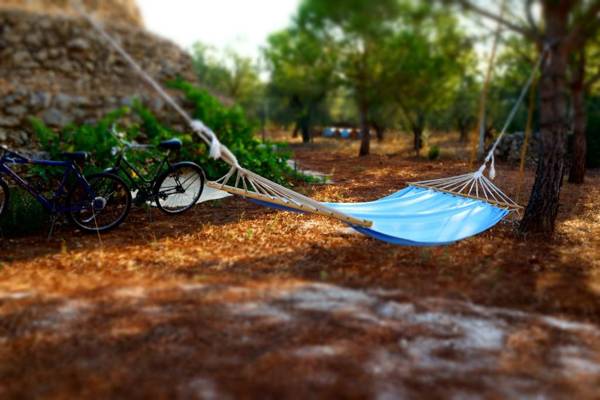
(500, 204)
(325, 211)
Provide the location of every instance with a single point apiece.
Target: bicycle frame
(133, 176)
(50, 204)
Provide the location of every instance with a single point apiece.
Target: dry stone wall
(54, 66)
(125, 11)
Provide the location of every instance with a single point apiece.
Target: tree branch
(528, 12)
(528, 33)
(586, 26)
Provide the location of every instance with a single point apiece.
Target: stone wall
(124, 11)
(510, 147)
(57, 68)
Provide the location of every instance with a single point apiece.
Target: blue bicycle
(97, 203)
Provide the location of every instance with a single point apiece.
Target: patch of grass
(434, 153)
(24, 215)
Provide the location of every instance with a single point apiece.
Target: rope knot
(215, 144)
(493, 169)
(480, 172)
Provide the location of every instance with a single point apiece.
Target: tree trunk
(577, 173)
(305, 133)
(365, 144)
(305, 128)
(418, 140)
(417, 128)
(379, 131)
(296, 130)
(540, 214)
(578, 157)
(463, 129)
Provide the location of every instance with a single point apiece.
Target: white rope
(204, 132)
(490, 158)
(477, 182)
(215, 145)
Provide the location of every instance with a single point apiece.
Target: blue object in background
(328, 132)
(345, 133)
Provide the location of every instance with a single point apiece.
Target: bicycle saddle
(171, 144)
(76, 156)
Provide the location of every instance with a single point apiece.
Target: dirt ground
(233, 300)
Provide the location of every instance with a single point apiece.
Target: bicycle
(174, 188)
(95, 204)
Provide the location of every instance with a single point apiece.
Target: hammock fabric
(424, 217)
(420, 217)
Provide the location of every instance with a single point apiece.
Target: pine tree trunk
(577, 172)
(305, 128)
(379, 131)
(365, 144)
(305, 134)
(417, 140)
(464, 134)
(542, 210)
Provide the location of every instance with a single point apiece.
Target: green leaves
(302, 67)
(230, 124)
(230, 75)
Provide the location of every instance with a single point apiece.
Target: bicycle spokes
(105, 206)
(180, 189)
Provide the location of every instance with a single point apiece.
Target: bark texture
(579, 151)
(365, 143)
(542, 210)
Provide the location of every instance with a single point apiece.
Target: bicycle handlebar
(128, 145)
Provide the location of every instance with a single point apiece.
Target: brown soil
(235, 300)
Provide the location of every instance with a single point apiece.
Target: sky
(242, 25)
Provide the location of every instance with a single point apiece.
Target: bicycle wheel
(108, 208)
(4, 197)
(180, 188)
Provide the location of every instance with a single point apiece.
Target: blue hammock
(420, 217)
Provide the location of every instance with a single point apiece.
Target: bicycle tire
(87, 219)
(164, 192)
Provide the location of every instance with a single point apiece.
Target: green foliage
(232, 76)
(139, 124)
(94, 139)
(23, 216)
(401, 62)
(302, 74)
(426, 61)
(357, 32)
(236, 132)
(434, 153)
(512, 70)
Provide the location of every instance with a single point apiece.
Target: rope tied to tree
(490, 158)
(476, 185)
